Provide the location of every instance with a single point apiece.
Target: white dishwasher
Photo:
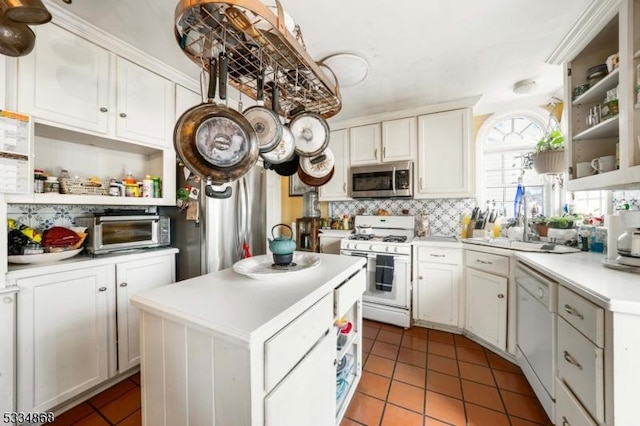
(537, 302)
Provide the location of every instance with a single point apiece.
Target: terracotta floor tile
(369, 332)
(480, 416)
(133, 420)
(513, 382)
(93, 419)
(442, 365)
(444, 384)
(367, 344)
(136, 378)
(415, 358)
(414, 343)
(430, 421)
(379, 365)
(445, 408)
(112, 393)
(73, 415)
(123, 406)
(465, 342)
(441, 336)
(396, 416)
(517, 421)
(476, 373)
(348, 422)
(499, 363)
(386, 350)
(389, 337)
(371, 324)
(374, 385)
(472, 355)
(392, 328)
(479, 394)
(524, 406)
(365, 409)
(410, 374)
(442, 349)
(420, 332)
(365, 356)
(406, 396)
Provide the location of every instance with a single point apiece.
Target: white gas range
(384, 236)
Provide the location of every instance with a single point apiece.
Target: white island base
(225, 349)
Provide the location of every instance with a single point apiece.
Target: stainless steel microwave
(111, 233)
(388, 180)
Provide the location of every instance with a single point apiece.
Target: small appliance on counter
(629, 241)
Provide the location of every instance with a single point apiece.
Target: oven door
(399, 294)
(116, 233)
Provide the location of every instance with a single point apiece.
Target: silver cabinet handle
(420, 277)
(437, 255)
(123, 284)
(375, 153)
(484, 262)
(123, 114)
(571, 311)
(103, 109)
(571, 360)
(500, 296)
(565, 422)
(420, 184)
(344, 187)
(102, 289)
(384, 152)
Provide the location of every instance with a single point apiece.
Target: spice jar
(52, 184)
(38, 181)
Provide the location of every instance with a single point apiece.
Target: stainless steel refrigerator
(215, 241)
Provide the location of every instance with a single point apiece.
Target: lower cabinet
(66, 339)
(486, 307)
(7, 354)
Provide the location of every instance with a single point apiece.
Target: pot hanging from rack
(265, 122)
(31, 12)
(311, 133)
(15, 39)
(215, 141)
(317, 171)
(286, 147)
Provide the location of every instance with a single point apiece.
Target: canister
(52, 184)
(38, 181)
(147, 187)
(157, 187)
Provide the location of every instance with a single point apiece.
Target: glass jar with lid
(310, 204)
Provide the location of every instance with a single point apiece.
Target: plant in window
(548, 154)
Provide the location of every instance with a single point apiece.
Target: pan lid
(319, 166)
(311, 133)
(283, 151)
(267, 126)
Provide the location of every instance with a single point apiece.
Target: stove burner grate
(394, 239)
(361, 237)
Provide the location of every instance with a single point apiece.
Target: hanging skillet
(215, 141)
(265, 122)
(311, 133)
(286, 148)
(317, 171)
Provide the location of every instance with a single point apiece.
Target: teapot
(282, 245)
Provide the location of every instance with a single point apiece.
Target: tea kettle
(282, 247)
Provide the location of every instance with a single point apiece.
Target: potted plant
(541, 225)
(548, 155)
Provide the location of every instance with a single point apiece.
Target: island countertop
(232, 304)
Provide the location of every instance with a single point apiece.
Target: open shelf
(605, 129)
(351, 337)
(598, 92)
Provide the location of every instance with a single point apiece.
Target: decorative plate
(43, 257)
(262, 267)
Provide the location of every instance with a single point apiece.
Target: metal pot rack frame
(256, 40)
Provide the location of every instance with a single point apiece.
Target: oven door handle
(106, 219)
(393, 180)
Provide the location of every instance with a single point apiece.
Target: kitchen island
(227, 349)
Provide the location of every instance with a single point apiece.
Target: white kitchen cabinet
(486, 307)
(185, 99)
(436, 296)
(64, 331)
(399, 139)
(132, 278)
(8, 353)
(338, 187)
(445, 153)
(364, 145)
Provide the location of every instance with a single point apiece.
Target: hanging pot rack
(256, 40)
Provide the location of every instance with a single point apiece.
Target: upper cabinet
(364, 143)
(444, 155)
(185, 99)
(389, 141)
(337, 188)
(596, 127)
(70, 82)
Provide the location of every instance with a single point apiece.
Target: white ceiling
(419, 52)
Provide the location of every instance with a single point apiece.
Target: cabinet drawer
(492, 263)
(580, 365)
(585, 316)
(439, 255)
(569, 412)
(345, 295)
(283, 351)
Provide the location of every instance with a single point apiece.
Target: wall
(292, 206)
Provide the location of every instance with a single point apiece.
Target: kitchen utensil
(320, 166)
(15, 39)
(285, 149)
(595, 74)
(31, 12)
(282, 245)
(311, 181)
(241, 22)
(311, 133)
(264, 121)
(215, 141)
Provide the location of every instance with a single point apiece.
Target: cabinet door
(65, 80)
(145, 105)
(436, 297)
(132, 278)
(7, 355)
(185, 99)
(399, 140)
(63, 335)
(444, 155)
(286, 405)
(486, 307)
(337, 187)
(364, 145)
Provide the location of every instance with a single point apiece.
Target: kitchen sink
(533, 246)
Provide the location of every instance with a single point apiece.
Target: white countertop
(583, 272)
(438, 241)
(232, 304)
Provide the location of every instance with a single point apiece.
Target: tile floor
(411, 377)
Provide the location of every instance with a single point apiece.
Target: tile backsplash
(444, 214)
(632, 197)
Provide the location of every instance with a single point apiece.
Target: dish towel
(384, 272)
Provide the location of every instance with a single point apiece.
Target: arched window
(501, 141)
